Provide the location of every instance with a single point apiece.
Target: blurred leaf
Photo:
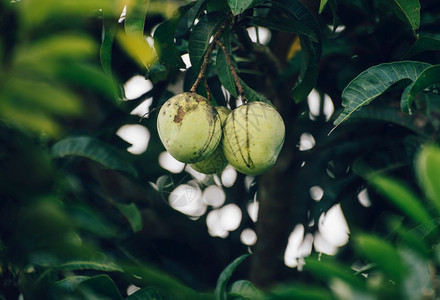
(99, 287)
(284, 25)
(411, 238)
(135, 15)
(419, 278)
(95, 150)
(244, 289)
(132, 214)
(109, 26)
(150, 276)
(427, 78)
(311, 51)
(401, 196)
(200, 37)
(422, 44)
(92, 221)
(91, 78)
(373, 82)
(225, 74)
(408, 11)
(382, 253)
(36, 122)
(71, 283)
(423, 231)
(428, 172)
(89, 265)
(322, 5)
(164, 40)
(138, 48)
(239, 6)
(344, 291)
(54, 48)
(34, 12)
(149, 293)
(34, 95)
(299, 292)
(326, 270)
(222, 282)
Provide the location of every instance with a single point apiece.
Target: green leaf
(89, 265)
(71, 283)
(245, 289)
(222, 282)
(425, 230)
(251, 94)
(149, 293)
(164, 41)
(428, 172)
(138, 48)
(40, 95)
(54, 48)
(90, 77)
(239, 6)
(200, 36)
(422, 44)
(309, 69)
(108, 36)
(401, 196)
(373, 82)
(322, 5)
(310, 50)
(92, 221)
(99, 287)
(419, 277)
(390, 115)
(29, 105)
(132, 214)
(225, 74)
(427, 78)
(300, 292)
(382, 253)
(327, 269)
(408, 11)
(284, 25)
(95, 150)
(410, 237)
(135, 15)
(150, 276)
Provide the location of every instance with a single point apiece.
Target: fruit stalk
(233, 71)
(208, 53)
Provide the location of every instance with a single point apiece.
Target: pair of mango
(208, 138)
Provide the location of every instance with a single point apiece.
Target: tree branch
(208, 53)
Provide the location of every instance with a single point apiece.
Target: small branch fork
(211, 47)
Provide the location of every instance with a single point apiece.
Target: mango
(253, 136)
(189, 127)
(217, 161)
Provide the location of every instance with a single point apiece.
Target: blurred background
(91, 204)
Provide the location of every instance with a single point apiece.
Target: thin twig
(233, 71)
(148, 113)
(208, 53)
(208, 90)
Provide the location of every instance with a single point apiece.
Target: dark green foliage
(83, 218)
